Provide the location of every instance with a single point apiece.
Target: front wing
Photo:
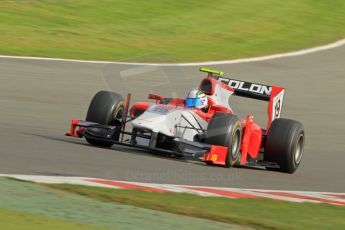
(114, 134)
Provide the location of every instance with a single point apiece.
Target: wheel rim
(118, 115)
(299, 150)
(235, 144)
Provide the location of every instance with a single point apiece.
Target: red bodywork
(217, 155)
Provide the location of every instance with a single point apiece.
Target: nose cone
(162, 123)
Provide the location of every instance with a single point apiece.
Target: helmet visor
(193, 102)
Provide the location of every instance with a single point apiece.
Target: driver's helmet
(196, 99)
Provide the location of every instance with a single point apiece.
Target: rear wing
(274, 95)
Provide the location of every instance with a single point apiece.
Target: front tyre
(106, 108)
(225, 130)
(285, 143)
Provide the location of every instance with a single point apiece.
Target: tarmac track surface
(38, 98)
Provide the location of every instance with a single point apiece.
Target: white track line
(236, 61)
(57, 180)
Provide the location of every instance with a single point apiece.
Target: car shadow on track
(126, 149)
(141, 152)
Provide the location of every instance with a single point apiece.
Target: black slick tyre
(106, 108)
(285, 143)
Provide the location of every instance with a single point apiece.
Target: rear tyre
(284, 144)
(106, 108)
(225, 130)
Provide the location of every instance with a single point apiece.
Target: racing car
(202, 126)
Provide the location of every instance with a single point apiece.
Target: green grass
(22, 220)
(166, 31)
(58, 208)
(258, 213)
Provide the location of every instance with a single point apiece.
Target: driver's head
(196, 99)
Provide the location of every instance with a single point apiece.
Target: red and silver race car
(213, 134)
